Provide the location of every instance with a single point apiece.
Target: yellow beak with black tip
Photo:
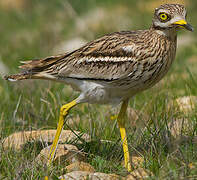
(184, 24)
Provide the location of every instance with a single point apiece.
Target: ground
(35, 29)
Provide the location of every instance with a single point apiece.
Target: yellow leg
(121, 124)
(63, 112)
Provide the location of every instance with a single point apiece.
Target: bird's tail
(36, 69)
(16, 77)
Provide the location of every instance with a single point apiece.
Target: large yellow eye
(163, 16)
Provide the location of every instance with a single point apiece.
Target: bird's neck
(170, 33)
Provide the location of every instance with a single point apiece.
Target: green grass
(31, 105)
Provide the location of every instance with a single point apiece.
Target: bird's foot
(63, 113)
(56, 139)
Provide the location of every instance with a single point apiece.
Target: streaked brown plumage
(120, 60)
(116, 66)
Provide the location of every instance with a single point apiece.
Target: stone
(103, 176)
(65, 153)
(187, 104)
(179, 126)
(78, 175)
(19, 139)
(139, 173)
(79, 166)
(84, 175)
(136, 161)
(184, 104)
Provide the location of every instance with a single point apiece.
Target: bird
(114, 67)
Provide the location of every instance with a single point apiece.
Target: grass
(34, 32)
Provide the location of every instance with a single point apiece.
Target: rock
(64, 153)
(136, 161)
(84, 175)
(78, 175)
(179, 126)
(186, 104)
(139, 173)
(18, 140)
(103, 176)
(79, 166)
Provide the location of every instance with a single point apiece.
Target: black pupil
(163, 16)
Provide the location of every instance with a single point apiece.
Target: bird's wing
(108, 58)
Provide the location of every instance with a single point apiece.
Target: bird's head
(171, 16)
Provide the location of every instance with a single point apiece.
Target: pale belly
(95, 92)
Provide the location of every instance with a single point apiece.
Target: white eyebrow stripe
(163, 10)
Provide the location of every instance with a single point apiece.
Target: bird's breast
(150, 66)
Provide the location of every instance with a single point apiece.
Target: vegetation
(41, 28)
